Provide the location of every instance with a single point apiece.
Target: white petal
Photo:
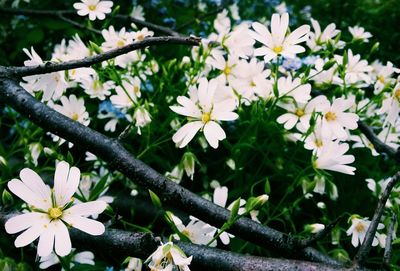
(46, 242)
(87, 208)
(22, 222)
(213, 133)
(87, 225)
(220, 196)
(28, 236)
(62, 240)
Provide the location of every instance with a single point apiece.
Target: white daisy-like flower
(287, 87)
(332, 157)
(357, 69)
(358, 229)
(197, 231)
(299, 112)
(127, 93)
(52, 84)
(276, 42)
(96, 9)
(335, 120)
(74, 109)
(137, 13)
(319, 38)
(169, 256)
(203, 113)
(141, 34)
(391, 105)
(94, 87)
(52, 211)
(359, 33)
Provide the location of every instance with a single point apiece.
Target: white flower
(332, 157)
(318, 39)
(85, 257)
(299, 112)
(52, 211)
(358, 229)
(356, 69)
(96, 9)
(188, 163)
(127, 93)
(137, 12)
(287, 87)
(276, 42)
(140, 35)
(119, 39)
(391, 105)
(74, 109)
(142, 117)
(94, 87)
(335, 119)
(359, 33)
(134, 264)
(167, 257)
(176, 174)
(315, 228)
(204, 113)
(52, 84)
(228, 68)
(197, 231)
(220, 197)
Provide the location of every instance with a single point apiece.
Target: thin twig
(388, 246)
(88, 61)
(321, 234)
(379, 146)
(78, 25)
(373, 226)
(57, 13)
(117, 157)
(151, 26)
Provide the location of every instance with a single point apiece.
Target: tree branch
(111, 151)
(78, 25)
(378, 144)
(388, 246)
(370, 234)
(58, 13)
(88, 61)
(141, 245)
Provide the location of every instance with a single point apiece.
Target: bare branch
(370, 235)
(378, 144)
(58, 13)
(141, 245)
(111, 151)
(88, 61)
(78, 25)
(154, 27)
(388, 246)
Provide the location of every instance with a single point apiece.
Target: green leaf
(98, 188)
(155, 199)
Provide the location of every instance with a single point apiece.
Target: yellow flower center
(397, 94)
(360, 227)
(252, 84)
(54, 213)
(140, 37)
(330, 116)
(227, 70)
(75, 117)
(92, 7)
(277, 49)
(206, 117)
(299, 112)
(136, 89)
(120, 43)
(318, 143)
(381, 79)
(186, 232)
